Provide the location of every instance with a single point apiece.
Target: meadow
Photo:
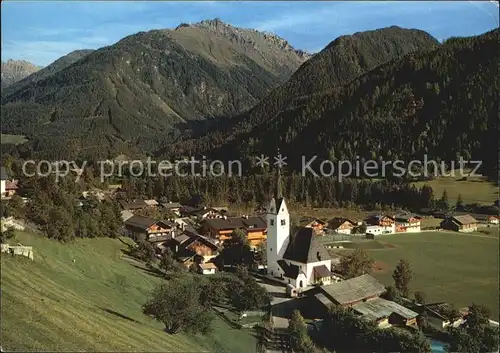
(477, 189)
(91, 304)
(12, 139)
(455, 267)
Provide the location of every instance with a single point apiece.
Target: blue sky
(41, 32)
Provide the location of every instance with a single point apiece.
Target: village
(295, 260)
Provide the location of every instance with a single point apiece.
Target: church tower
(278, 230)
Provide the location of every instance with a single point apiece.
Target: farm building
(341, 225)
(442, 315)
(407, 223)
(493, 219)
(465, 223)
(387, 223)
(207, 268)
(222, 228)
(138, 227)
(362, 295)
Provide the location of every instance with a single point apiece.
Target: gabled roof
(464, 219)
(354, 289)
(379, 308)
(208, 266)
(322, 271)
(170, 205)
(187, 237)
(290, 270)
(442, 310)
(336, 222)
(378, 217)
(255, 222)
(308, 220)
(405, 216)
(126, 214)
(133, 205)
(143, 222)
(305, 247)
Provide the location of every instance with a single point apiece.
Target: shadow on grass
(109, 311)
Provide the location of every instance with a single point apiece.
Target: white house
(207, 268)
(3, 181)
(375, 230)
(301, 260)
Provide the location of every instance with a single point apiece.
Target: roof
(354, 289)
(442, 310)
(133, 205)
(308, 220)
(208, 266)
(290, 270)
(188, 237)
(3, 173)
(143, 222)
(305, 247)
(11, 185)
(405, 216)
(464, 219)
(378, 217)
(255, 222)
(181, 238)
(170, 205)
(379, 308)
(151, 202)
(126, 215)
(322, 271)
(336, 222)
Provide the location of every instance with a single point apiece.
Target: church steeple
(278, 194)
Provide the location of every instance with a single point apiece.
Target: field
(12, 139)
(93, 304)
(458, 268)
(473, 190)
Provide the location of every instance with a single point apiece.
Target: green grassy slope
(94, 304)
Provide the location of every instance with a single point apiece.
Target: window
(283, 222)
(272, 222)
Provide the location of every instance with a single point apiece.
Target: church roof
(290, 270)
(305, 247)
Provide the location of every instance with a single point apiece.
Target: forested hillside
(127, 97)
(443, 103)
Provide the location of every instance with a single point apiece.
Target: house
(221, 229)
(208, 268)
(341, 225)
(189, 244)
(139, 227)
(464, 223)
(387, 223)
(151, 203)
(493, 219)
(316, 224)
(133, 205)
(99, 195)
(11, 187)
(207, 213)
(443, 315)
(125, 214)
(362, 294)
(173, 207)
(407, 223)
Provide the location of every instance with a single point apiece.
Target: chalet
(173, 207)
(138, 227)
(362, 294)
(464, 223)
(133, 205)
(407, 223)
(443, 315)
(208, 268)
(222, 228)
(493, 219)
(341, 225)
(316, 224)
(189, 244)
(387, 223)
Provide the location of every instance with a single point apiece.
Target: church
(299, 259)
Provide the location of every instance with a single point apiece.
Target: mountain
(442, 103)
(340, 62)
(51, 69)
(16, 70)
(129, 96)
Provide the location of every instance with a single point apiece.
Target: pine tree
(402, 276)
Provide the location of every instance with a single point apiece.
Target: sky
(41, 32)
